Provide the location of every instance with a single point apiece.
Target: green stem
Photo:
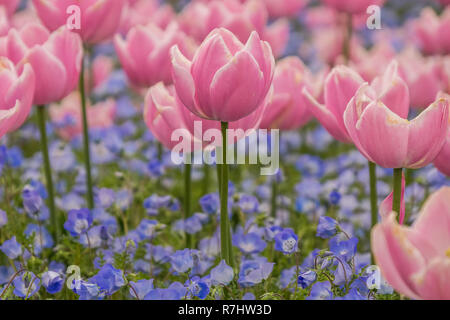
(187, 199)
(347, 37)
(225, 244)
(397, 190)
(273, 208)
(373, 197)
(87, 155)
(48, 171)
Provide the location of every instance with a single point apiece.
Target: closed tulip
(442, 161)
(145, 53)
(288, 108)
(16, 94)
(213, 86)
(10, 5)
(416, 260)
(389, 139)
(99, 20)
(55, 59)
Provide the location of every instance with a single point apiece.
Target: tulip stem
(48, 171)
(225, 233)
(347, 37)
(397, 190)
(373, 197)
(273, 207)
(87, 155)
(187, 199)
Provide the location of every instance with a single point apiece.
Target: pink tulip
(102, 67)
(442, 161)
(10, 6)
(16, 92)
(214, 86)
(55, 59)
(4, 22)
(352, 6)
(288, 108)
(423, 76)
(284, 8)
(142, 12)
(342, 84)
(145, 53)
(67, 116)
(425, 30)
(164, 113)
(277, 35)
(415, 260)
(389, 139)
(444, 31)
(99, 19)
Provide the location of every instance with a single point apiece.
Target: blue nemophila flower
(163, 294)
(271, 232)
(5, 274)
(210, 203)
(197, 287)
(222, 274)
(109, 279)
(32, 201)
(105, 197)
(320, 291)
(141, 288)
(342, 273)
(11, 248)
(153, 203)
(327, 227)
(287, 276)
(3, 218)
(248, 296)
(305, 279)
(58, 267)
(286, 241)
(52, 282)
(26, 285)
(123, 199)
(42, 238)
(249, 243)
(248, 204)
(352, 294)
(334, 197)
(78, 222)
(87, 291)
(62, 157)
(182, 260)
(344, 249)
(254, 271)
(15, 157)
(147, 229)
(155, 168)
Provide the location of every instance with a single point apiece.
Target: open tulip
(213, 85)
(288, 108)
(55, 59)
(140, 12)
(442, 161)
(99, 20)
(389, 139)
(145, 53)
(416, 260)
(342, 84)
(16, 94)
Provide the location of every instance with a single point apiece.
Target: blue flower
(345, 249)
(197, 287)
(271, 232)
(249, 243)
(11, 248)
(146, 229)
(87, 291)
(342, 273)
(109, 279)
(305, 279)
(124, 198)
(42, 238)
(3, 218)
(334, 197)
(287, 276)
(286, 241)
(141, 288)
(248, 296)
(52, 282)
(254, 271)
(327, 227)
(320, 291)
(222, 274)
(105, 197)
(78, 222)
(352, 294)
(32, 201)
(248, 204)
(155, 202)
(26, 285)
(210, 203)
(182, 260)
(155, 168)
